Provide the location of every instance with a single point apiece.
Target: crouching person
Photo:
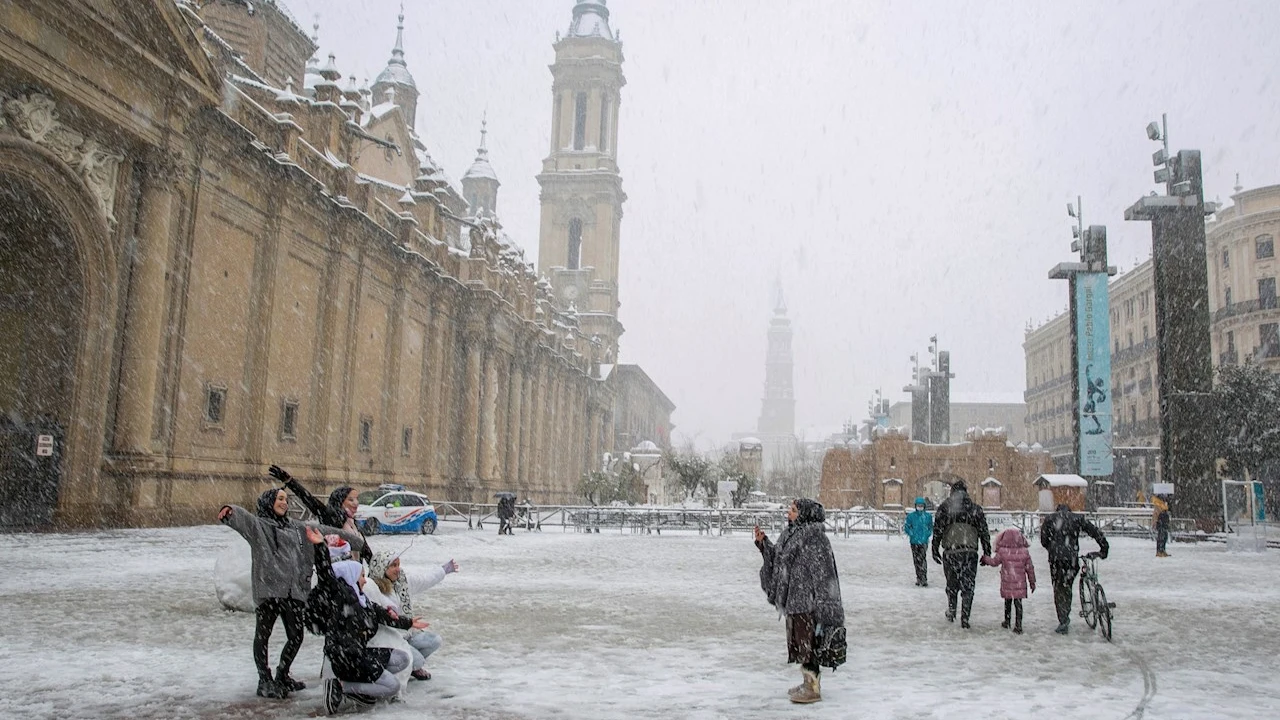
(281, 577)
(349, 620)
(394, 589)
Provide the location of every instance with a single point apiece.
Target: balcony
(1133, 353)
(1244, 308)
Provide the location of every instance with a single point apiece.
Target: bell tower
(582, 193)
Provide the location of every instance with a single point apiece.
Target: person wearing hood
(362, 674)
(339, 511)
(394, 587)
(1160, 522)
(1060, 535)
(919, 526)
(281, 576)
(959, 526)
(1016, 572)
(799, 578)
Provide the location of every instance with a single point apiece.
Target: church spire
(396, 76)
(397, 52)
(480, 183)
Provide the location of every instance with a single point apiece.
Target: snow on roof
(750, 441)
(1062, 481)
(481, 169)
(991, 481)
(379, 111)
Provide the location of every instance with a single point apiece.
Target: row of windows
(215, 408)
(580, 122)
(1264, 247)
(1266, 293)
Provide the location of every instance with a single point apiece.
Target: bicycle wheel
(1103, 611)
(1087, 610)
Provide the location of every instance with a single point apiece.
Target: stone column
(593, 436)
(536, 472)
(469, 427)
(489, 418)
(525, 434)
(515, 403)
(145, 311)
(432, 447)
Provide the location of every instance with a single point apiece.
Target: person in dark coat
(1060, 535)
(959, 527)
(799, 578)
(281, 577)
(339, 511)
(1161, 526)
(506, 511)
(362, 674)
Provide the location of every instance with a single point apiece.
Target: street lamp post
(1090, 323)
(1182, 326)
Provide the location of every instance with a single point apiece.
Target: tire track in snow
(1148, 685)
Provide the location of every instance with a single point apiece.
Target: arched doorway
(56, 267)
(937, 487)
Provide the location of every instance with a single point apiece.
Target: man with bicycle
(1060, 535)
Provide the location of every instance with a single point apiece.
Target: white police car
(393, 509)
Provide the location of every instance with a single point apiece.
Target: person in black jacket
(363, 674)
(959, 526)
(340, 511)
(799, 578)
(1060, 535)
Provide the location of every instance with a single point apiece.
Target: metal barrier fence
(1113, 522)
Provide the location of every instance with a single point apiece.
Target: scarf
(349, 572)
(378, 565)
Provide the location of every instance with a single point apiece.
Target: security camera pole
(1182, 327)
(1090, 353)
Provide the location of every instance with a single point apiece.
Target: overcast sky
(903, 166)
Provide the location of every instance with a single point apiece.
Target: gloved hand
(450, 567)
(1091, 556)
(278, 473)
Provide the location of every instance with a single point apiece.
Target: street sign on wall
(1093, 348)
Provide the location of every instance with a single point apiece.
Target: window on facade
(604, 124)
(580, 121)
(406, 441)
(1231, 341)
(1226, 296)
(575, 244)
(366, 434)
(215, 404)
(1130, 338)
(1269, 340)
(289, 420)
(1226, 258)
(1267, 292)
(1264, 247)
(555, 124)
(1117, 347)
(1146, 333)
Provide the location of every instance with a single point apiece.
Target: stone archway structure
(52, 203)
(858, 475)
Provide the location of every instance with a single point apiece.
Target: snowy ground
(552, 624)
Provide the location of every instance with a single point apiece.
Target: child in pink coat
(1016, 571)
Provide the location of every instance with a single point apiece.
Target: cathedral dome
(397, 71)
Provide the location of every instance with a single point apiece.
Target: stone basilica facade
(216, 254)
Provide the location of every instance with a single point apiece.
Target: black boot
(966, 605)
(269, 688)
(288, 683)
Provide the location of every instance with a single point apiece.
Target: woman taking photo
(799, 578)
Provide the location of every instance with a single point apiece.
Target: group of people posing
(343, 606)
(959, 527)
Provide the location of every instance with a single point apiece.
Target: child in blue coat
(919, 527)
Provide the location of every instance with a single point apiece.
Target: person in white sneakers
(395, 589)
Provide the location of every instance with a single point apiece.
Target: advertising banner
(1093, 355)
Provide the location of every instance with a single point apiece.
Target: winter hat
(959, 486)
(349, 572)
(919, 501)
(378, 565)
(1011, 538)
(809, 511)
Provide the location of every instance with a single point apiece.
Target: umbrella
(503, 495)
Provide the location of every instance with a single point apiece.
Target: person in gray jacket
(282, 565)
(799, 578)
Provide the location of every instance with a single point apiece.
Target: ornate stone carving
(34, 116)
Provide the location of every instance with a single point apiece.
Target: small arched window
(575, 244)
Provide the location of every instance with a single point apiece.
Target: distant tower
(778, 409)
(581, 188)
(397, 76)
(480, 184)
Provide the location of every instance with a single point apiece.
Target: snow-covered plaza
(552, 624)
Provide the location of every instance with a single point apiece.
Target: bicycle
(1094, 607)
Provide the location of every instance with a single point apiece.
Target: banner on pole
(1093, 355)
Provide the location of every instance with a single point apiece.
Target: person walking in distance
(1016, 572)
(919, 526)
(1060, 535)
(959, 526)
(799, 578)
(1161, 524)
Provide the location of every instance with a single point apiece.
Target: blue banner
(1093, 355)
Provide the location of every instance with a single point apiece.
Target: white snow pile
(233, 577)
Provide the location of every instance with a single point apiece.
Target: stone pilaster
(515, 400)
(145, 308)
(489, 469)
(469, 425)
(433, 445)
